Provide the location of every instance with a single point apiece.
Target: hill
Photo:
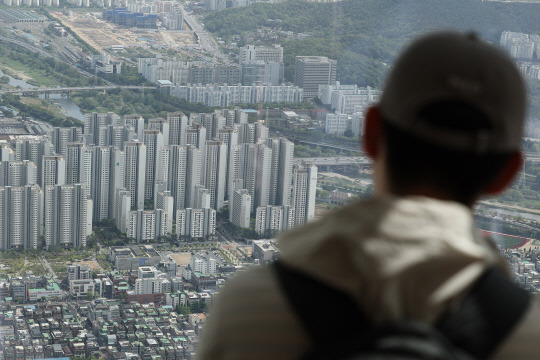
(365, 35)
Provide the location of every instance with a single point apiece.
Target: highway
(78, 88)
(329, 161)
(205, 39)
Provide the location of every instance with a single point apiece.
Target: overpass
(330, 145)
(335, 161)
(68, 90)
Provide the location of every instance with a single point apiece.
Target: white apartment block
(215, 176)
(92, 123)
(68, 216)
(162, 125)
(147, 272)
(164, 201)
(116, 178)
(204, 263)
(60, 137)
(18, 173)
(337, 123)
(53, 170)
(20, 217)
(347, 99)
(178, 123)
(281, 173)
(240, 208)
(195, 223)
(135, 169)
(147, 225)
(100, 186)
(33, 148)
(173, 173)
(81, 288)
(261, 53)
(149, 286)
(6, 152)
(357, 123)
(135, 121)
(78, 272)
(79, 165)
(304, 192)
(229, 95)
(153, 139)
(274, 218)
(122, 209)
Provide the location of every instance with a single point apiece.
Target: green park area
(60, 258)
(20, 263)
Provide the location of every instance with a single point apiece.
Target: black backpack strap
(486, 315)
(484, 318)
(320, 309)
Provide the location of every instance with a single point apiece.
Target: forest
(365, 35)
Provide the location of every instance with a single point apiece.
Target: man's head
(449, 121)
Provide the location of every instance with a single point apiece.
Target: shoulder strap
(485, 316)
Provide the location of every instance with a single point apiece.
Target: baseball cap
(452, 66)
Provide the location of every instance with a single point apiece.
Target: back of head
(453, 109)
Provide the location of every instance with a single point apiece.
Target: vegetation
(43, 70)
(128, 76)
(365, 35)
(148, 104)
(39, 111)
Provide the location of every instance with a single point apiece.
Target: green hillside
(365, 35)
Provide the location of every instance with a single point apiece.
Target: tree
(183, 310)
(90, 295)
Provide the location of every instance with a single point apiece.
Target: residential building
(68, 216)
(20, 217)
(240, 208)
(135, 170)
(271, 218)
(195, 223)
(304, 192)
(18, 173)
(261, 53)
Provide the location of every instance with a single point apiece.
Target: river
(507, 212)
(68, 106)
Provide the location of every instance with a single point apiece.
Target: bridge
(335, 161)
(68, 90)
(330, 145)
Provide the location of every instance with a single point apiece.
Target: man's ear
(372, 131)
(506, 175)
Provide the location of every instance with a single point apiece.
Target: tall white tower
(79, 165)
(135, 170)
(215, 176)
(178, 122)
(153, 139)
(304, 192)
(67, 216)
(20, 217)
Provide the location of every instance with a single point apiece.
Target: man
(446, 132)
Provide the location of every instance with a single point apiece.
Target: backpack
(482, 320)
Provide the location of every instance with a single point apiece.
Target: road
(328, 161)
(205, 39)
(49, 268)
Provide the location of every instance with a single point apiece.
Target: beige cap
(452, 66)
